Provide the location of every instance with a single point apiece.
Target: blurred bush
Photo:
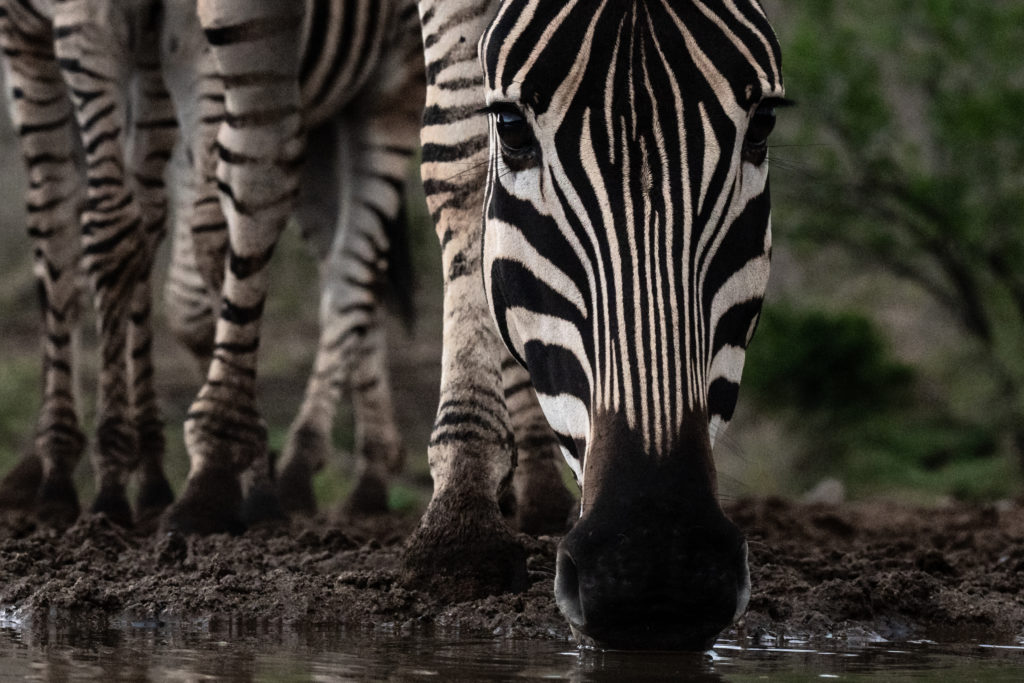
(906, 152)
(19, 401)
(833, 377)
(819, 361)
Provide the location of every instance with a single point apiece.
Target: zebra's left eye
(762, 122)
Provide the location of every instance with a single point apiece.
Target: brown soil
(848, 571)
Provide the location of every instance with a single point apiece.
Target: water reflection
(70, 649)
(646, 666)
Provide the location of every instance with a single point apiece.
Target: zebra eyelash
(500, 108)
(515, 135)
(760, 125)
(776, 103)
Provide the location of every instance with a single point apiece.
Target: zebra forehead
(708, 48)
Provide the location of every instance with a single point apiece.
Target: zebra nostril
(567, 588)
(743, 592)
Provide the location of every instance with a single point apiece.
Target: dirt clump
(885, 570)
(303, 573)
(873, 570)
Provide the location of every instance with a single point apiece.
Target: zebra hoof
(369, 498)
(111, 501)
(210, 504)
(19, 488)
(261, 506)
(295, 489)
(57, 502)
(463, 550)
(154, 496)
(508, 505)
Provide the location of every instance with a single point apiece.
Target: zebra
(251, 112)
(95, 128)
(352, 262)
(256, 164)
(367, 148)
(618, 154)
(361, 86)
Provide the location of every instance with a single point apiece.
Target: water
(148, 651)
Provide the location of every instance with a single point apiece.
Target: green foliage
(912, 451)
(831, 376)
(906, 149)
(814, 359)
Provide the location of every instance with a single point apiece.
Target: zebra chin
(653, 562)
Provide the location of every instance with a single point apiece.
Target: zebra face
(626, 251)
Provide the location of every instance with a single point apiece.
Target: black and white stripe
(360, 65)
(85, 92)
(627, 245)
(349, 72)
(624, 254)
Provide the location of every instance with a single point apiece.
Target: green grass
(19, 401)
(404, 498)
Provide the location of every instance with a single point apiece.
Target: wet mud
(855, 571)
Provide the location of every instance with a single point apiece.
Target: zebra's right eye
(518, 144)
(514, 131)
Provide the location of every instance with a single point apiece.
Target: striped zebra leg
(43, 117)
(462, 547)
(206, 115)
(200, 239)
(154, 137)
(259, 147)
(92, 44)
(373, 147)
(190, 306)
(379, 448)
(542, 503)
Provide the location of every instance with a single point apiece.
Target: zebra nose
(567, 589)
(649, 598)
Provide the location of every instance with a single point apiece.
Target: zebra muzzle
(649, 590)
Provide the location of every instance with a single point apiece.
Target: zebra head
(626, 252)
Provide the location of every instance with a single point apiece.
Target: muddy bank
(899, 572)
(854, 570)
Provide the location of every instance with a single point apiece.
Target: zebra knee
(190, 317)
(196, 335)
